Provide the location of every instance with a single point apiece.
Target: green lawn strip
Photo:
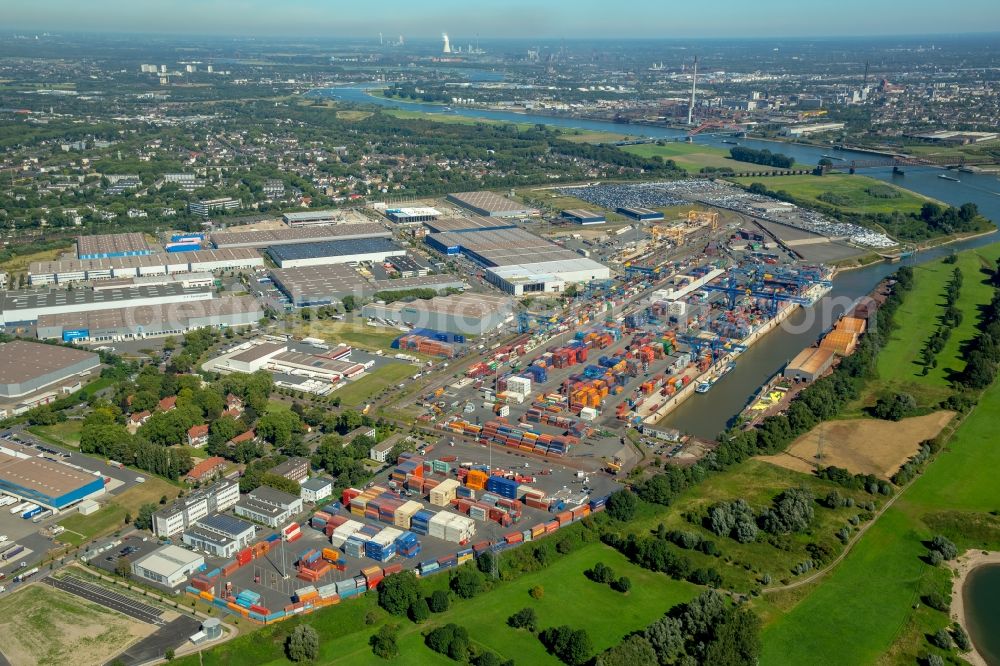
(65, 433)
(103, 520)
(851, 188)
(361, 390)
(569, 598)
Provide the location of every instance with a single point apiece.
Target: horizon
(519, 19)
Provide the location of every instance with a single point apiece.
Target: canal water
(708, 414)
(982, 610)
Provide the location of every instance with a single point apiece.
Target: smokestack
(694, 88)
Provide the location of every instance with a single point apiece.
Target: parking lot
(108, 598)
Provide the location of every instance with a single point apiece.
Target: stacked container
(444, 492)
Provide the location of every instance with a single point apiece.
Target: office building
(168, 566)
(206, 207)
(187, 510)
(220, 535)
(295, 469)
(268, 506)
(316, 489)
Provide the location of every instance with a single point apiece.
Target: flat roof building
(187, 510)
(439, 282)
(307, 286)
(220, 535)
(20, 307)
(412, 215)
(26, 367)
(317, 489)
(466, 314)
(640, 214)
(295, 469)
(490, 204)
(46, 482)
(312, 218)
(168, 566)
(268, 506)
(67, 271)
(268, 238)
(581, 216)
(334, 252)
(471, 223)
(809, 364)
(112, 245)
(137, 322)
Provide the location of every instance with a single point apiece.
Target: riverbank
(922, 248)
(962, 567)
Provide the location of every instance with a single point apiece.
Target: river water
(707, 415)
(982, 610)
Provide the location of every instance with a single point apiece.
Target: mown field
(569, 598)
(361, 390)
(853, 190)
(693, 157)
(81, 529)
(66, 433)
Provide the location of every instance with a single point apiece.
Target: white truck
(19, 508)
(7, 500)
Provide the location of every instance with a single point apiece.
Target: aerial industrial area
(497, 352)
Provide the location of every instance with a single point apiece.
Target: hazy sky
(508, 18)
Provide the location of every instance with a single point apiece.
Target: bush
(941, 638)
(621, 505)
(622, 585)
(934, 558)
(571, 646)
(943, 545)
(397, 593)
(419, 610)
(601, 573)
(526, 618)
(937, 601)
(451, 640)
(384, 642)
(961, 638)
(302, 644)
(537, 592)
(466, 582)
(439, 601)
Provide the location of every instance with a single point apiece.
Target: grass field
(861, 446)
(851, 188)
(569, 598)
(45, 626)
(66, 433)
(361, 390)
(588, 136)
(80, 529)
(899, 367)
(693, 157)
(356, 334)
(19, 263)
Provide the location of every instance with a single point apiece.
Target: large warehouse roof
(44, 480)
(22, 361)
(109, 244)
(336, 248)
(503, 247)
(168, 316)
(235, 254)
(490, 203)
(473, 223)
(265, 238)
(168, 560)
(329, 280)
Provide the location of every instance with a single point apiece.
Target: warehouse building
(412, 215)
(334, 252)
(584, 217)
(407, 266)
(465, 314)
(439, 282)
(188, 510)
(45, 482)
(520, 263)
(168, 566)
(309, 286)
(809, 364)
(473, 223)
(27, 367)
(105, 246)
(268, 506)
(312, 218)
(276, 357)
(76, 270)
(641, 214)
(272, 237)
(145, 321)
(202, 280)
(220, 535)
(490, 204)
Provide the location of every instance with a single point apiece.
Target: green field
(361, 390)
(899, 364)
(693, 157)
(66, 433)
(852, 189)
(81, 529)
(356, 334)
(569, 598)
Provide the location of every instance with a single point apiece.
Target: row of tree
(951, 318)
(765, 157)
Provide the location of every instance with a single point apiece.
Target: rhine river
(707, 415)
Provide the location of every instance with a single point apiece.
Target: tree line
(764, 157)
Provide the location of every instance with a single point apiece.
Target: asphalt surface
(154, 646)
(107, 598)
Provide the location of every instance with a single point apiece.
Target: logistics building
(168, 566)
(45, 482)
(490, 204)
(269, 238)
(276, 357)
(188, 510)
(27, 367)
(584, 217)
(809, 364)
(321, 253)
(312, 218)
(106, 246)
(412, 215)
(472, 223)
(519, 262)
(76, 270)
(137, 322)
(220, 535)
(268, 506)
(641, 214)
(308, 286)
(466, 314)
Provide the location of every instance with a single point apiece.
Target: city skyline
(556, 18)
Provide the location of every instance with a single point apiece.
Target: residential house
(206, 469)
(167, 403)
(198, 435)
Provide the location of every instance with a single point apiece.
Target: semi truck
(26, 575)
(31, 510)
(19, 508)
(11, 553)
(41, 516)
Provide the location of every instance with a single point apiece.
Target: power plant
(694, 87)
(447, 44)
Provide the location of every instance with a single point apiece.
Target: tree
(622, 585)
(571, 646)
(302, 644)
(467, 582)
(943, 545)
(169, 654)
(398, 592)
(894, 407)
(419, 610)
(600, 573)
(278, 427)
(349, 303)
(537, 592)
(281, 483)
(633, 651)
(792, 512)
(439, 601)
(145, 519)
(667, 638)
(485, 562)
(621, 505)
(123, 568)
(941, 638)
(526, 618)
(384, 642)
